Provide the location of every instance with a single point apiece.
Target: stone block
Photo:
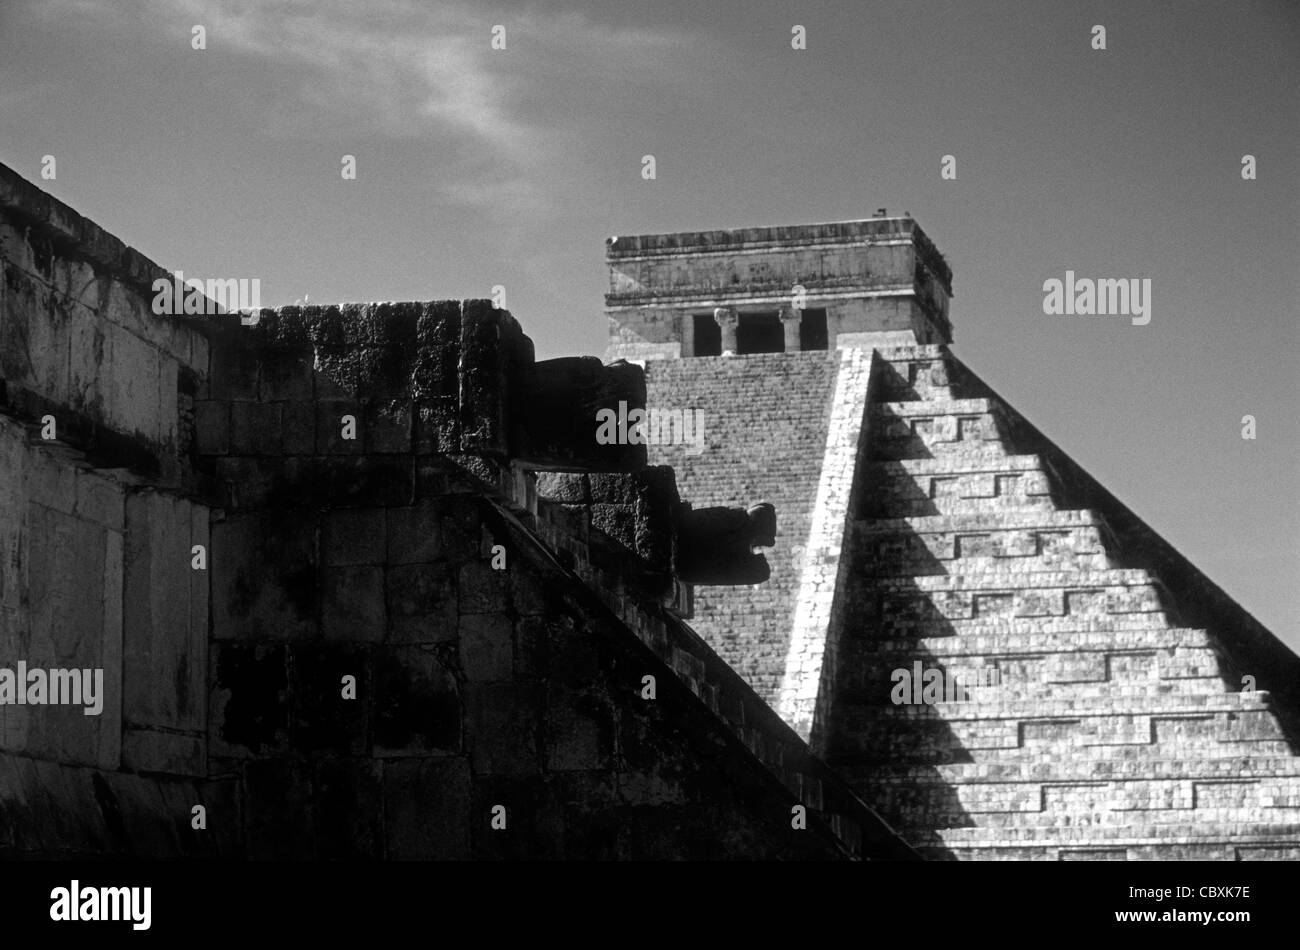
(387, 428)
(484, 390)
(279, 810)
(90, 364)
(33, 347)
(235, 369)
(249, 710)
(249, 482)
(212, 426)
(18, 830)
(502, 728)
(51, 481)
(69, 564)
(148, 750)
(285, 377)
(487, 647)
(427, 804)
(352, 603)
(142, 816)
(298, 428)
(133, 386)
(481, 589)
(264, 576)
(255, 428)
(437, 426)
(460, 529)
(422, 603)
(436, 373)
(99, 499)
(109, 746)
(364, 482)
(417, 704)
(322, 719)
(579, 731)
(168, 399)
(349, 810)
(413, 533)
(354, 536)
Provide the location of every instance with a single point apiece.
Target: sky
(479, 167)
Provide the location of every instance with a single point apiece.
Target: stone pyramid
(1110, 701)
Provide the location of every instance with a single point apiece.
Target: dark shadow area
(708, 335)
(760, 333)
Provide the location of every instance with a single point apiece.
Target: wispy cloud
(408, 70)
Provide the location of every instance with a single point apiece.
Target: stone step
(926, 486)
(1031, 641)
(1120, 791)
(903, 430)
(980, 522)
(900, 469)
(878, 687)
(939, 598)
(1240, 832)
(1005, 564)
(924, 735)
(1046, 627)
(1205, 847)
(952, 505)
(900, 548)
(1128, 764)
(1073, 706)
(902, 355)
(913, 409)
(868, 621)
(1045, 761)
(1136, 820)
(958, 580)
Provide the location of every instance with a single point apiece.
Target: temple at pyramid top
(878, 281)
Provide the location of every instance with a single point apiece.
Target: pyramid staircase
(1109, 731)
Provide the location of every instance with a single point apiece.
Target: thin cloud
(410, 71)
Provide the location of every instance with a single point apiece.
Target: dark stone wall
(309, 650)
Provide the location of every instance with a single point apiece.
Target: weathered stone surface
(280, 810)
(557, 414)
(417, 705)
(349, 810)
(881, 275)
(422, 602)
(427, 805)
(322, 718)
(265, 577)
(249, 699)
(487, 647)
(165, 642)
(352, 603)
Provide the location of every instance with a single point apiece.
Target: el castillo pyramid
(1127, 708)
(369, 581)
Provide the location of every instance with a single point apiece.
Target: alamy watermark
(194, 297)
(919, 686)
(56, 687)
(1129, 297)
(651, 427)
(75, 902)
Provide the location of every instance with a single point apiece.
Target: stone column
(790, 322)
(727, 319)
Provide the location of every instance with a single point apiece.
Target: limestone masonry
(922, 519)
(363, 583)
